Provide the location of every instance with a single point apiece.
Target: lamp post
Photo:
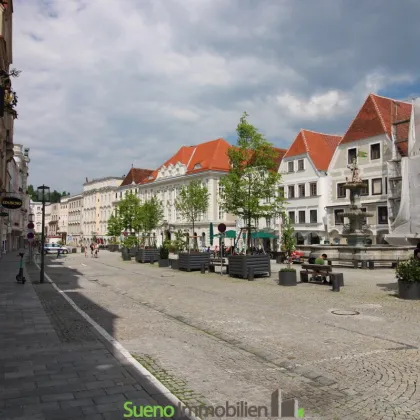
(30, 220)
(43, 193)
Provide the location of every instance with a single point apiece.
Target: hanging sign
(11, 203)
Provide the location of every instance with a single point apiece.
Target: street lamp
(43, 193)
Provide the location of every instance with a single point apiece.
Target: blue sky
(105, 84)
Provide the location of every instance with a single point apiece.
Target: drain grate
(344, 312)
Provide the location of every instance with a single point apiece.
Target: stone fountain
(355, 231)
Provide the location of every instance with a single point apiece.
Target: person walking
(86, 251)
(96, 250)
(91, 249)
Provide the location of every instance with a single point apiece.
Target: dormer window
(150, 177)
(197, 166)
(290, 166)
(301, 165)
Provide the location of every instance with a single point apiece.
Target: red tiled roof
(280, 155)
(375, 117)
(320, 147)
(211, 155)
(136, 175)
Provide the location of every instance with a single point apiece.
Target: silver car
(54, 248)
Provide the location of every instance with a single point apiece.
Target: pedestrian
(321, 261)
(91, 249)
(86, 251)
(96, 250)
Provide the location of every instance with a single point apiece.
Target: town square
(201, 224)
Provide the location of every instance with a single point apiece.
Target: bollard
(371, 265)
(364, 264)
(250, 273)
(152, 260)
(203, 268)
(335, 284)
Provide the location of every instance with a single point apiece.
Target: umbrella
(211, 234)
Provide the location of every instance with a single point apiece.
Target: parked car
(54, 248)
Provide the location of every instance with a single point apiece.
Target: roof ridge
(323, 134)
(304, 140)
(390, 99)
(379, 113)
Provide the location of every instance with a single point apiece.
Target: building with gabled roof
(305, 183)
(368, 140)
(206, 162)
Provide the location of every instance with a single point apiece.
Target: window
(300, 165)
(290, 167)
(291, 191)
(365, 189)
(375, 151)
(341, 191)
(382, 215)
(268, 222)
(292, 217)
(351, 155)
(301, 190)
(302, 216)
(313, 188)
(339, 217)
(281, 192)
(313, 216)
(377, 186)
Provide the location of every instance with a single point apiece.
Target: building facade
(305, 184)
(62, 228)
(368, 142)
(7, 117)
(207, 163)
(36, 210)
(74, 217)
(98, 198)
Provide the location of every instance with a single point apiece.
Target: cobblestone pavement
(211, 338)
(53, 365)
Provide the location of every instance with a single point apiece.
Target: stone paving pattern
(52, 364)
(230, 339)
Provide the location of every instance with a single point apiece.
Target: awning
(263, 235)
(230, 234)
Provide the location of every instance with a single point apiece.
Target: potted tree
(164, 256)
(408, 276)
(250, 191)
(176, 246)
(191, 203)
(149, 217)
(129, 243)
(287, 275)
(114, 230)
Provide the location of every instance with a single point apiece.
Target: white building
(206, 162)
(404, 180)
(17, 220)
(36, 210)
(98, 198)
(62, 228)
(74, 219)
(369, 135)
(304, 170)
(53, 213)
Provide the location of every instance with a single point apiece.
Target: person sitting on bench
(321, 261)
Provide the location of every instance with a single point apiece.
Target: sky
(109, 84)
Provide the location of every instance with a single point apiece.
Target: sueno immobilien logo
(279, 409)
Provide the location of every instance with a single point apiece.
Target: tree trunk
(248, 238)
(194, 238)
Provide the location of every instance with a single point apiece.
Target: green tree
(128, 210)
(114, 226)
(288, 240)
(192, 202)
(152, 215)
(249, 190)
(33, 195)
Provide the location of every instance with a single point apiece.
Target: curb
(125, 353)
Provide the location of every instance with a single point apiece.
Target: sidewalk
(53, 364)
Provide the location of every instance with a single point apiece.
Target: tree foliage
(288, 238)
(249, 190)
(128, 213)
(192, 202)
(114, 226)
(55, 196)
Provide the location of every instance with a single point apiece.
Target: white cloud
(106, 84)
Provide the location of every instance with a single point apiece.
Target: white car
(54, 248)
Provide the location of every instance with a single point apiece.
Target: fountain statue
(354, 231)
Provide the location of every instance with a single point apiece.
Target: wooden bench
(368, 263)
(316, 270)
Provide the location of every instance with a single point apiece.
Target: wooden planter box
(147, 255)
(133, 251)
(287, 278)
(163, 263)
(193, 261)
(174, 264)
(239, 265)
(125, 254)
(409, 290)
